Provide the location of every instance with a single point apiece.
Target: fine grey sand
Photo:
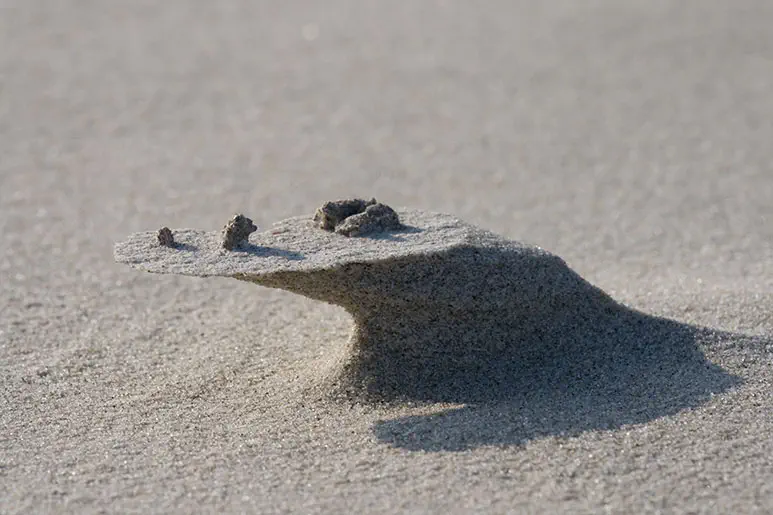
(630, 139)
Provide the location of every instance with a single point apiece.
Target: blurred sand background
(633, 139)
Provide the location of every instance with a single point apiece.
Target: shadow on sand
(630, 369)
(262, 251)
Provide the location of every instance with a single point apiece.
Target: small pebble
(376, 218)
(165, 237)
(237, 230)
(356, 217)
(333, 213)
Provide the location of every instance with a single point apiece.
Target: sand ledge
(442, 310)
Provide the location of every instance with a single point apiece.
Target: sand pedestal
(436, 302)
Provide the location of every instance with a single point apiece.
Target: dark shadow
(261, 251)
(391, 235)
(184, 246)
(629, 370)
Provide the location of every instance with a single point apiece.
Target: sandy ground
(630, 138)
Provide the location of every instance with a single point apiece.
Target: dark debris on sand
(165, 237)
(356, 217)
(237, 230)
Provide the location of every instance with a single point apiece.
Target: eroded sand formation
(435, 301)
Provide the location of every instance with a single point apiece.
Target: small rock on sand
(356, 217)
(334, 212)
(237, 230)
(165, 237)
(376, 218)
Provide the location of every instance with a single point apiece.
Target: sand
(632, 141)
(444, 311)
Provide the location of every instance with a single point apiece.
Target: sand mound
(446, 311)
